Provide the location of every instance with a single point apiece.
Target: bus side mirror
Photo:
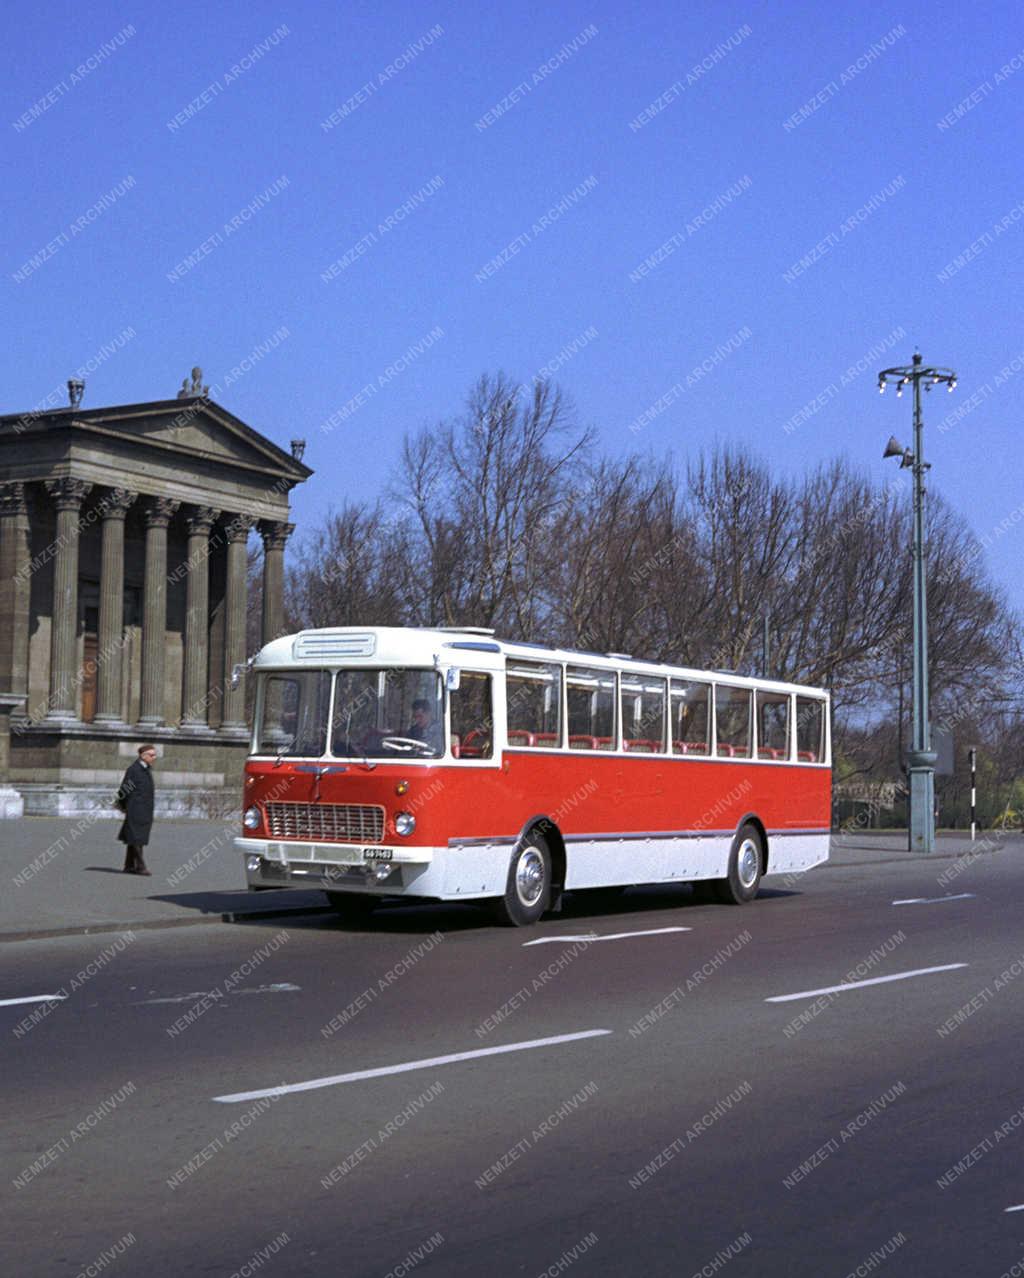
(451, 678)
(239, 669)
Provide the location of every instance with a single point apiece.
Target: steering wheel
(406, 744)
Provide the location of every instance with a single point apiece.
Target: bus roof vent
(622, 656)
(465, 630)
(331, 645)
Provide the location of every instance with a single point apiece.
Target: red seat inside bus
(476, 745)
(520, 737)
(580, 742)
(641, 745)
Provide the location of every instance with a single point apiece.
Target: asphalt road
(706, 1130)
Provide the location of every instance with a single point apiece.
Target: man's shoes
(148, 873)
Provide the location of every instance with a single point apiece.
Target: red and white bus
(449, 765)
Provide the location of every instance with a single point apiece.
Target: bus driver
(423, 726)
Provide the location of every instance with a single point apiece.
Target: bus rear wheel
(352, 907)
(528, 888)
(745, 861)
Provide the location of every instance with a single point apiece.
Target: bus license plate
(378, 854)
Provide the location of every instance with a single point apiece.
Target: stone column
(215, 633)
(158, 513)
(237, 533)
(68, 495)
(12, 805)
(194, 701)
(110, 640)
(274, 537)
(15, 583)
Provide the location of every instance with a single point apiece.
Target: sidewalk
(863, 847)
(62, 876)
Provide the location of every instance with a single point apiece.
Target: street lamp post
(921, 758)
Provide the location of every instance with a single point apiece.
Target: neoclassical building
(124, 539)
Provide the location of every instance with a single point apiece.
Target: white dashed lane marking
(383, 1071)
(933, 900)
(610, 936)
(32, 998)
(196, 995)
(856, 985)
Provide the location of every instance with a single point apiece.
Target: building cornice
(19, 428)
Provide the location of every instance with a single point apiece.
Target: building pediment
(192, 449)
(189, 426)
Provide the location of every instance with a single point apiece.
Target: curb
(154, 925)
(897, 856)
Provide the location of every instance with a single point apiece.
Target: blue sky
(783, 197)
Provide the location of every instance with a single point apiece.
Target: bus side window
(472, 717)
(533, 701)
(732, 719)
(643, 713)
(772, 725)
(810, 729)
(690, 717)
(591, 701)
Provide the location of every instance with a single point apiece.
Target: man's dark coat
(135, 798)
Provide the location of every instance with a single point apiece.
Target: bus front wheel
(528, 889)
(745, 861)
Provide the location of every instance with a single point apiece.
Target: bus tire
(528, 888)
(352, 907)
(745, 861)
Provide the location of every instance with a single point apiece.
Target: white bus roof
(371, 646)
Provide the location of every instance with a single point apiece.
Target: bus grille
(333, 822)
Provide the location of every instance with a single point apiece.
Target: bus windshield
(378, 714)
(382, 714)
(292, 722)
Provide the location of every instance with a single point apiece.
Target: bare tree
(503, 517)
(349, 571)
(486, 491)
(625, 573)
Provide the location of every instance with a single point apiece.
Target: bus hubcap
(748, 863)
(530, 876)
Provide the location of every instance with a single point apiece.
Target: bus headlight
(252, 863)
(405, 823)
(251, 819)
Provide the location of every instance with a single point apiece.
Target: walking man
(135, 799)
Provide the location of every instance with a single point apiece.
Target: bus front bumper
(385, 871)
